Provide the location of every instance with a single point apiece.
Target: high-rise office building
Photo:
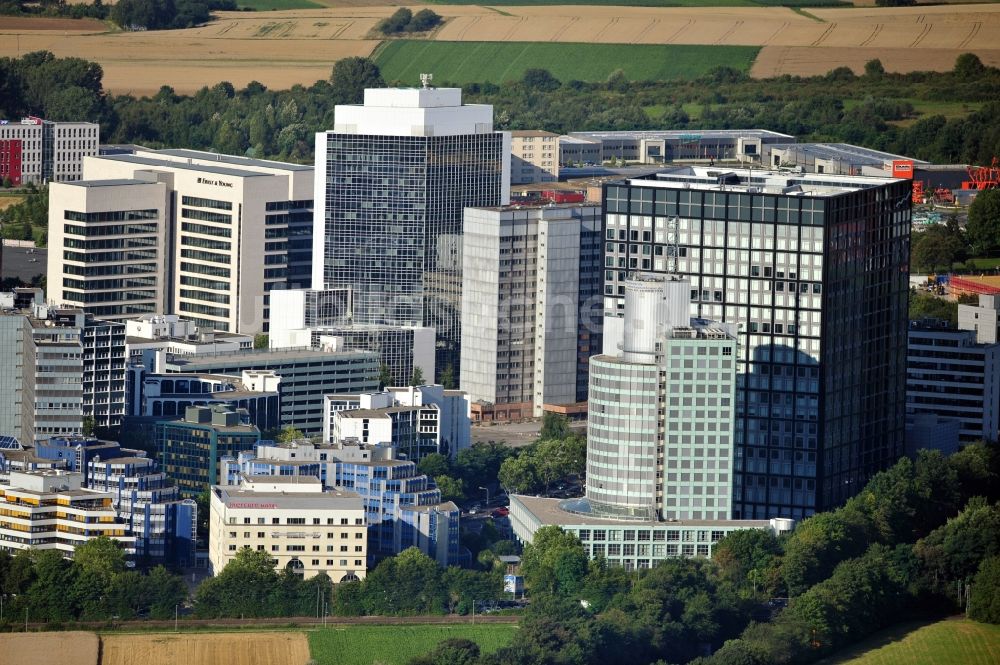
(531, 307)
(184, 232)
(659, 437)
(392, 180)
(38, 151)
(812, 269)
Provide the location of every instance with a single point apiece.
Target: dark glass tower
(813, 270)
(393, 179)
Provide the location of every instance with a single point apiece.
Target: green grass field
(268, 5)
(481, 62)
(950, 642)
(394, 645)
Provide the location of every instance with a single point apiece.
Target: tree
(452, 489)
(289, 434)
(417, 378)
(984, 601)
(554, 561)
(261, 341)
(874, 69)
(434, 465)
(453, 651)
(89, 425)
(743, 556)
(938, 247)
(968, 67)
(554, 426)
(983, 227)
(540, 79)
(423, 21)
(384, 375)
(519, 474)
(350, 77)
(102, 556)
(396, 23)
(927, 306)
(448, 377)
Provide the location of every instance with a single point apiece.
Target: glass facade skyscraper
(393, 179)
(813, 271)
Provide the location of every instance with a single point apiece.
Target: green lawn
(950, 642)
(394, 645)
(268, 5)
(481, 62)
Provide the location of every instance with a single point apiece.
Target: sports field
(395, 645)
(468, 62)
(950, 642)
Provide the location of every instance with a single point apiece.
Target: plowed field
(71, 648)
(206, 649)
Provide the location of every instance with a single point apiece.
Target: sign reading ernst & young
(217, 183)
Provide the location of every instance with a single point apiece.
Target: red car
(501, 512)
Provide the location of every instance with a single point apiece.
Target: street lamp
(487, 490)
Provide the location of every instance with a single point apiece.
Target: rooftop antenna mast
(425, 80)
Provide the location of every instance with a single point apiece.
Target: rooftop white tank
(653, 303)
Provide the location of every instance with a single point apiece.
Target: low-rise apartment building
(534, 156)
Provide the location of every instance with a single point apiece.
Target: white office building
(983, 318)
(952, 376)
(41, 151)
(214, 234)
(415, 420)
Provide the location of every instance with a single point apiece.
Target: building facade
(534, 156)
(403, 506)
(983, 318)
(104, 381)
(306, 376)
(392, 179)
(664, 147)
(51, 510)
(415, 420)
(109, 239)
(41, 151)
(531, 311)
(319, 317)
(812, 270)
(191, 447)
(950, 375)
(307, 530)
(225, 230)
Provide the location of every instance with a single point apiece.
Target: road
(17, 262)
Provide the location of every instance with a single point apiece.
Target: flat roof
(184, 166)
(331, 499)
(531, 132)
(232, 159)
(844, 152)
(112, 182)
(548, 512)
(254, 356)
(758, 181)
(686, 134)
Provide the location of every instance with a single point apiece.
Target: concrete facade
(531, 306)
(534, 156)
(50, 151)
(983, 318)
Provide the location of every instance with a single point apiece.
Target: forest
(878, 109)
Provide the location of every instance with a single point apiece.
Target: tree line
(280, 124)
(41, 585)
(941, 246)
(127, 14)
(922, 539)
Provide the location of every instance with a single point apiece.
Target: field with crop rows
(465, 62)
(950, 642)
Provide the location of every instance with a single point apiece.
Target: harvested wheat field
(23, 24)
(283, 48)
(206, 649)
(72, 648)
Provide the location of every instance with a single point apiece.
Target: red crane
(983, 177)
